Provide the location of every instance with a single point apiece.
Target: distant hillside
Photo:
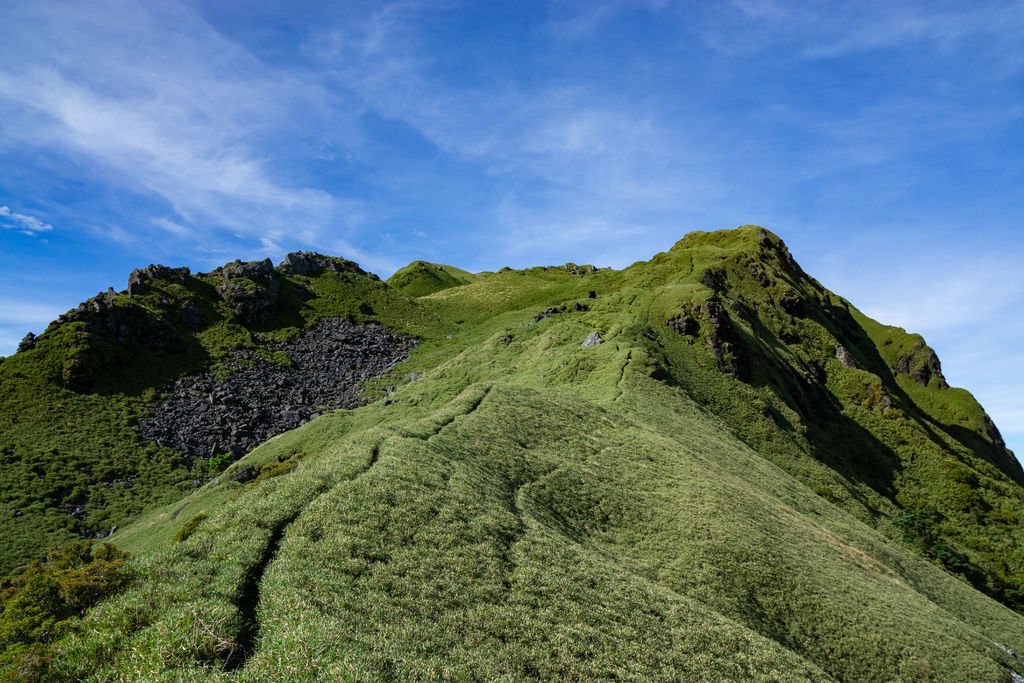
(420, 278)
(705, 466)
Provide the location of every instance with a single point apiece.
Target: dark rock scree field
(204, 415)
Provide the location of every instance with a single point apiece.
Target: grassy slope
(531, 508)
(420, 278)
(501, 529)
(90, 455)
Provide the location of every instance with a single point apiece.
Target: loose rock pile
(203, 416)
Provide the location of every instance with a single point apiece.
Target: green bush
(219, 462)
(44, 600)
(189, 527)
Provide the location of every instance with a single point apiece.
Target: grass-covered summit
(739, 476)
(420, 278)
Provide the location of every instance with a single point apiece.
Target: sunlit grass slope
(501, 530)
(420, 278)
(746, 480)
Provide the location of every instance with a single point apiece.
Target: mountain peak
(514, 456)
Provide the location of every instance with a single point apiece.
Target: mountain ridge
(724, 331)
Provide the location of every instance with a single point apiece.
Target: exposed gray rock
(245, 474)
(845, 357)
(311, 263)
(720, 335)
(120, 328)
(593, 339)
(547, 312)
(250, 270)
(922, 365)
(578, 270)
(203, 415)
(714, 279)
(27, 342)
(249, 289)
(138, 278)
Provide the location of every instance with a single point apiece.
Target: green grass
(526, 530)
(533, 509)
(420, 278)
(64, 446)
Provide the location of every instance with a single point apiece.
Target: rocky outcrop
(683, 324)
(844, 357)
(578, 270)
(714, 279)
(27, 342)
(593, 339)
(791, 302)
(774, 245)
(922, 365)
(138, 278)
(720, 335)
(557, 310)
(249, 289)
(125, 324)
(204, 415)
(310, 263)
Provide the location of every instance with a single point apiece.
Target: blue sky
(883, 141)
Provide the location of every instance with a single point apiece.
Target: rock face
(720, 336)
(203, 415)
(27, 342)
(921, 364)
(791, 302)
(578, 270)
(310, 263)
(683, 324)
(129, 326)
(845, 357)
(250, 290)
(138, 278)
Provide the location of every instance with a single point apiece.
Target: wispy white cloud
(174, 228)
(180, 113)
(579, 169)
(863, 27)
(21, 222)
(576, 20)
(933, 299)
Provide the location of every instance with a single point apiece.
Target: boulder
(593, 339)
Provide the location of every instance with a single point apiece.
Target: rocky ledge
(202, 415)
